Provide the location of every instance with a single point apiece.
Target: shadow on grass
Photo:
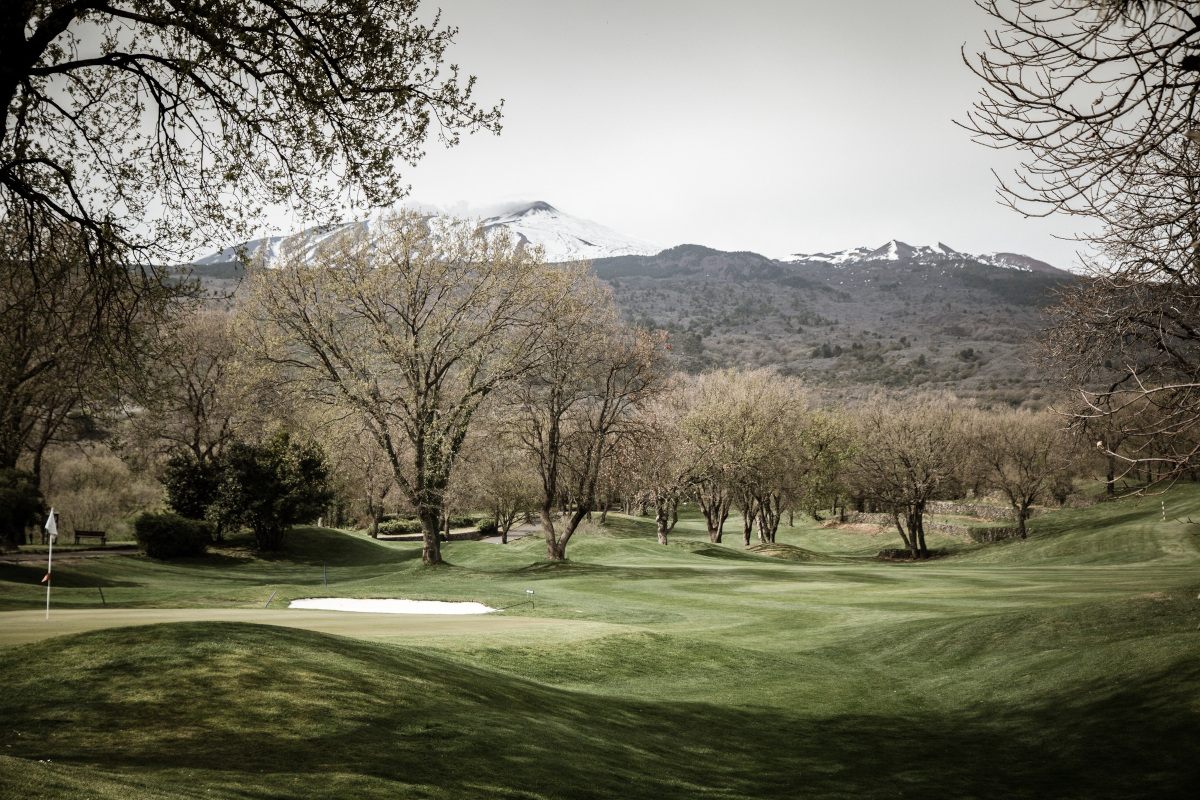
(241, 706)
(65, 577)
(316, 546)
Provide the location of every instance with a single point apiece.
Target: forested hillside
(960, 324)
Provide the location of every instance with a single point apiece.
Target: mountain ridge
(565, 237)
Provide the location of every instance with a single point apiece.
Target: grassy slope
(1063, 666)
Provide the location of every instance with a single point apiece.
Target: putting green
(21, 627)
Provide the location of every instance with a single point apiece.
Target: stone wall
(961, 508)
(973, 532)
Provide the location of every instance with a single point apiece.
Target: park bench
(101, 535)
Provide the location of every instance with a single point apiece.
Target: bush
(191, 485)
(462, 521)
(171, 536)
(487, 526)
(270, 487)
(397, 527)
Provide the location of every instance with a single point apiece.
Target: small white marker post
(530, 593)
(52, 527)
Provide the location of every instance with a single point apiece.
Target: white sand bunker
(390, 606)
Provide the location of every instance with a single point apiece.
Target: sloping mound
(716, 551)
(787, 552)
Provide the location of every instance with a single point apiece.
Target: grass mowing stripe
(1062, 666)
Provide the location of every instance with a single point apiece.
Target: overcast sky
(775, 126)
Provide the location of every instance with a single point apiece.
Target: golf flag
(52, 529)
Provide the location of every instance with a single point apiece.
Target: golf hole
(390, 606)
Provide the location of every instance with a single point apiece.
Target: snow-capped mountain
(307, 241)
(563, 237)
(939, 253)
(247, 251)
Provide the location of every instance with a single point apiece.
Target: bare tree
(669, 463)
(194, 401)
(410, 329)
(1134, 348)
(907, 451)
(1024, 455)
(503, 479)
(573, 410)
(1104, 97)
(1093, 91)
(715, 425)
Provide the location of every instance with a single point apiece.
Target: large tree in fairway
(410, 329)
(572, 411)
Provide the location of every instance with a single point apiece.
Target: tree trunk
(662, 519)
(431, 549)
(907, 542)
(715, 511)
(269, 538)
(916, 529)
(747, 527)
(1110, 478)
(1022, 514)
(553, 551)
(674, 514)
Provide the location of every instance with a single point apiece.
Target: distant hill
(898, 316)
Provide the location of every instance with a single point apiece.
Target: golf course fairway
(1064, 666)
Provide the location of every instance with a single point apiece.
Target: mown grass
(1062, 666)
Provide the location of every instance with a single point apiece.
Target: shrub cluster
(395, 527)
(487, 526)
(171, 536)
(463, 520)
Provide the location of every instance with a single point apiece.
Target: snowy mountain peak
(530, 208)
(940, 253)
(565, 237)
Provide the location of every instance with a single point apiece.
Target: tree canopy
(160, 124)
(1104, 98)
(409, 330)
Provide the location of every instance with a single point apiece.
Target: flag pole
(52, 527)
(49, 561)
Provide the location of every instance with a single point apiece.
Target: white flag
(51, 525)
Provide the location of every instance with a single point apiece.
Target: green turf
(1061, 666)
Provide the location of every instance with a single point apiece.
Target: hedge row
(172, 536)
